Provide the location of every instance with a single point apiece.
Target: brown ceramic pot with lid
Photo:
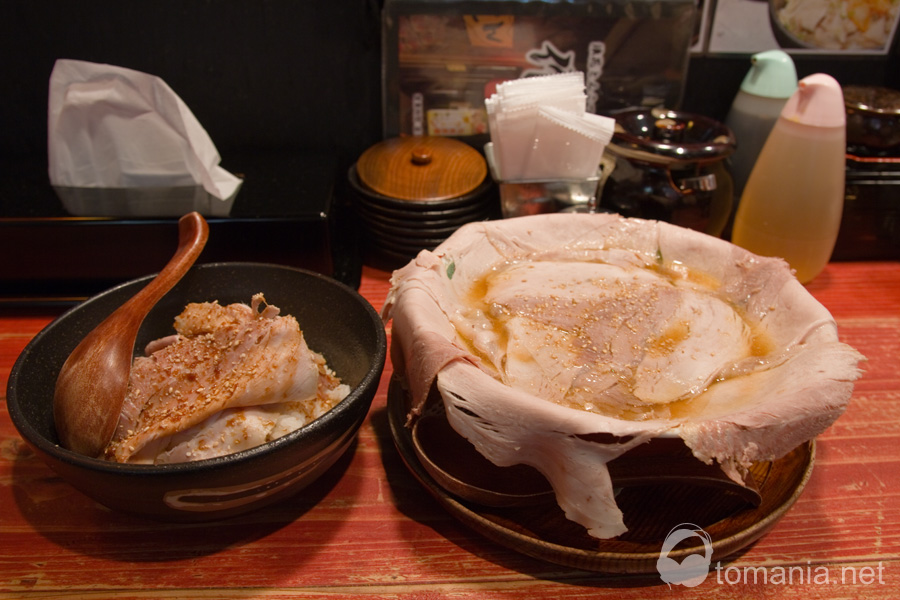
(670, 166)
(412, 192)
(873, 117)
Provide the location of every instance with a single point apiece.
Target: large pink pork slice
(232, 378)
(541, 331)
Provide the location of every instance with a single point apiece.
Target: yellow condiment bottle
(794, 197)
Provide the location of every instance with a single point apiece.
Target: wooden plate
(651, 511)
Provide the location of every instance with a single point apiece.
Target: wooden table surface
(369, 530)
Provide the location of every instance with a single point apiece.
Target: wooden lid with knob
(421, 168)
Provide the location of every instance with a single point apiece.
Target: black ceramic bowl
(336, 321)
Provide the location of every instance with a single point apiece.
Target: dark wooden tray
(541, 530)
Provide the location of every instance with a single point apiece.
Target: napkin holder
(537, 196)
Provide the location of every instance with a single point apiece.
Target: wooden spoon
(91, 386)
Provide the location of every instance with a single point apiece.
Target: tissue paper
(546, 149)
(540, 129)
(122, 141)
(567, 146)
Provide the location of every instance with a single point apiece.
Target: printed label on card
(490, 31)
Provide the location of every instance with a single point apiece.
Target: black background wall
(265, 75)
(258, 74)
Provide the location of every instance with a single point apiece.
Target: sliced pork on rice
(233, 377)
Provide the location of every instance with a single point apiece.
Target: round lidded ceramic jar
(421, 169)
(670, 166)
(873, 118)
(412, 192)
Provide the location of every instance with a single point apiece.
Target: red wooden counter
(370, 530)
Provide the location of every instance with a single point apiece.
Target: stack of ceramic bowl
(411, 193)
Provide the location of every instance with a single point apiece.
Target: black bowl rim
(425, 216)
(375, 217)
(210, 464)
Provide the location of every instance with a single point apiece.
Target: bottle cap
(772, 75)
(818, 102)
